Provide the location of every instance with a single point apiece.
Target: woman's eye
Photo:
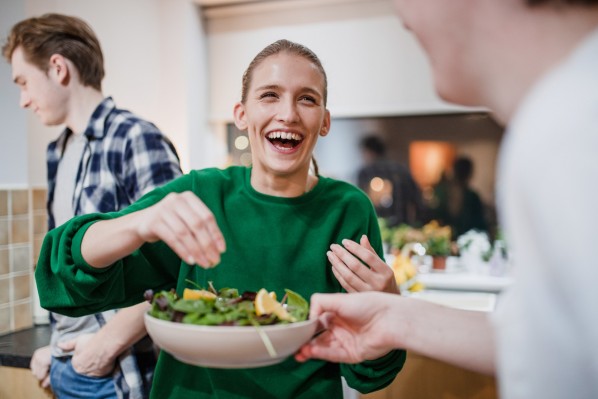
(269, 94)
(309, 99)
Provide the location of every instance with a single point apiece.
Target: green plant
(405, 234)
(437, 239)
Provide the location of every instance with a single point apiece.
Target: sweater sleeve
(68, 285)
(373, 375)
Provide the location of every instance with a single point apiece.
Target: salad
(226, 307)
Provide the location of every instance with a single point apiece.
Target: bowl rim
(226, 329)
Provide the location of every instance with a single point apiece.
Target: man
(104, 160)
(399, 201)
(534, 64)
(457, 204)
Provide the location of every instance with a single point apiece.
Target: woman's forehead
(287, 69)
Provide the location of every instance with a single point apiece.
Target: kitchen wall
(13, 131)
(374, 66)
(22, 225)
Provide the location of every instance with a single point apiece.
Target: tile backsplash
(23, 224)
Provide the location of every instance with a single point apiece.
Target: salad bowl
(230, 346)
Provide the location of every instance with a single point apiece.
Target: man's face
(443, 29)
(42, 92)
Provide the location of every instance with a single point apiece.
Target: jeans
(68, 384)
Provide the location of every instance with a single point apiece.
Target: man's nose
(25, 100)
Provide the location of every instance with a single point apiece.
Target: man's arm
(95, 354)
(366, 326)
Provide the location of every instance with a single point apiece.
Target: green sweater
(272, 242)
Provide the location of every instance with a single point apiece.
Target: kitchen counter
(461, 281)
(17, 348)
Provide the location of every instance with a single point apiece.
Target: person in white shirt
(534, 63)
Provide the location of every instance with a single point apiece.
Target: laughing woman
(272, 225)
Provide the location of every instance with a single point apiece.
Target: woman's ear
(240, 116)
(59, 68)
(325, 125)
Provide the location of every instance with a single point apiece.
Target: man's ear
(59, 68)
(240, 116)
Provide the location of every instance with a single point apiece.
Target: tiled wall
(22, 227)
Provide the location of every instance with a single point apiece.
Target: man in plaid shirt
(105, 159)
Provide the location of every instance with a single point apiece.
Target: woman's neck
(287, 186)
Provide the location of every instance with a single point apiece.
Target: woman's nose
(287, 111)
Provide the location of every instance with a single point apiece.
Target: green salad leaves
(225, 307)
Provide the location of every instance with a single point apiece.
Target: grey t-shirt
(69, 327)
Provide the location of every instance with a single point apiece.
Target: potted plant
(437, 243)
(405, 234)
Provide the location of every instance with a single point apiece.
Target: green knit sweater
(272, 242)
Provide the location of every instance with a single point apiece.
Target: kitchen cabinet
(425, 378)
(20, 383)
(16, 380)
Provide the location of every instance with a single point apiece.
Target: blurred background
(179, 64)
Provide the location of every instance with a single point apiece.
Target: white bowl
(229, 346)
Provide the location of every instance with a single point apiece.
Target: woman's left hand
(350, 266)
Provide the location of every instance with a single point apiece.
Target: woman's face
(284, 114)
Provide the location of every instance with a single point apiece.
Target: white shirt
(547, 323)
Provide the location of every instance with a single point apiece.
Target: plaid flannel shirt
(124, 158)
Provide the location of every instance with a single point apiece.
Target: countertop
(17, 348)
(461, 281)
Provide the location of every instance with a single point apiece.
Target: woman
(273, 225)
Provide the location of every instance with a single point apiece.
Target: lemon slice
(265, 304)
(198, 294)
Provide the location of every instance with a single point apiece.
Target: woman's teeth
(284, 136)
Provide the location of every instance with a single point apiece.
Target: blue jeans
(68, 384)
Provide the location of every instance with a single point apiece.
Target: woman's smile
(285, 141)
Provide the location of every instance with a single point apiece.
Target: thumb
(46, 382)
(68, 346)
(324, 303)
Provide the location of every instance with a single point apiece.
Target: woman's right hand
(186, 225)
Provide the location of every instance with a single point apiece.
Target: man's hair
(374, 144)
(562, 2)
(71, 37)
(462, 169)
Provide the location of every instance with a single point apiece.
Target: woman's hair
(282, 46)
(71, 37)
